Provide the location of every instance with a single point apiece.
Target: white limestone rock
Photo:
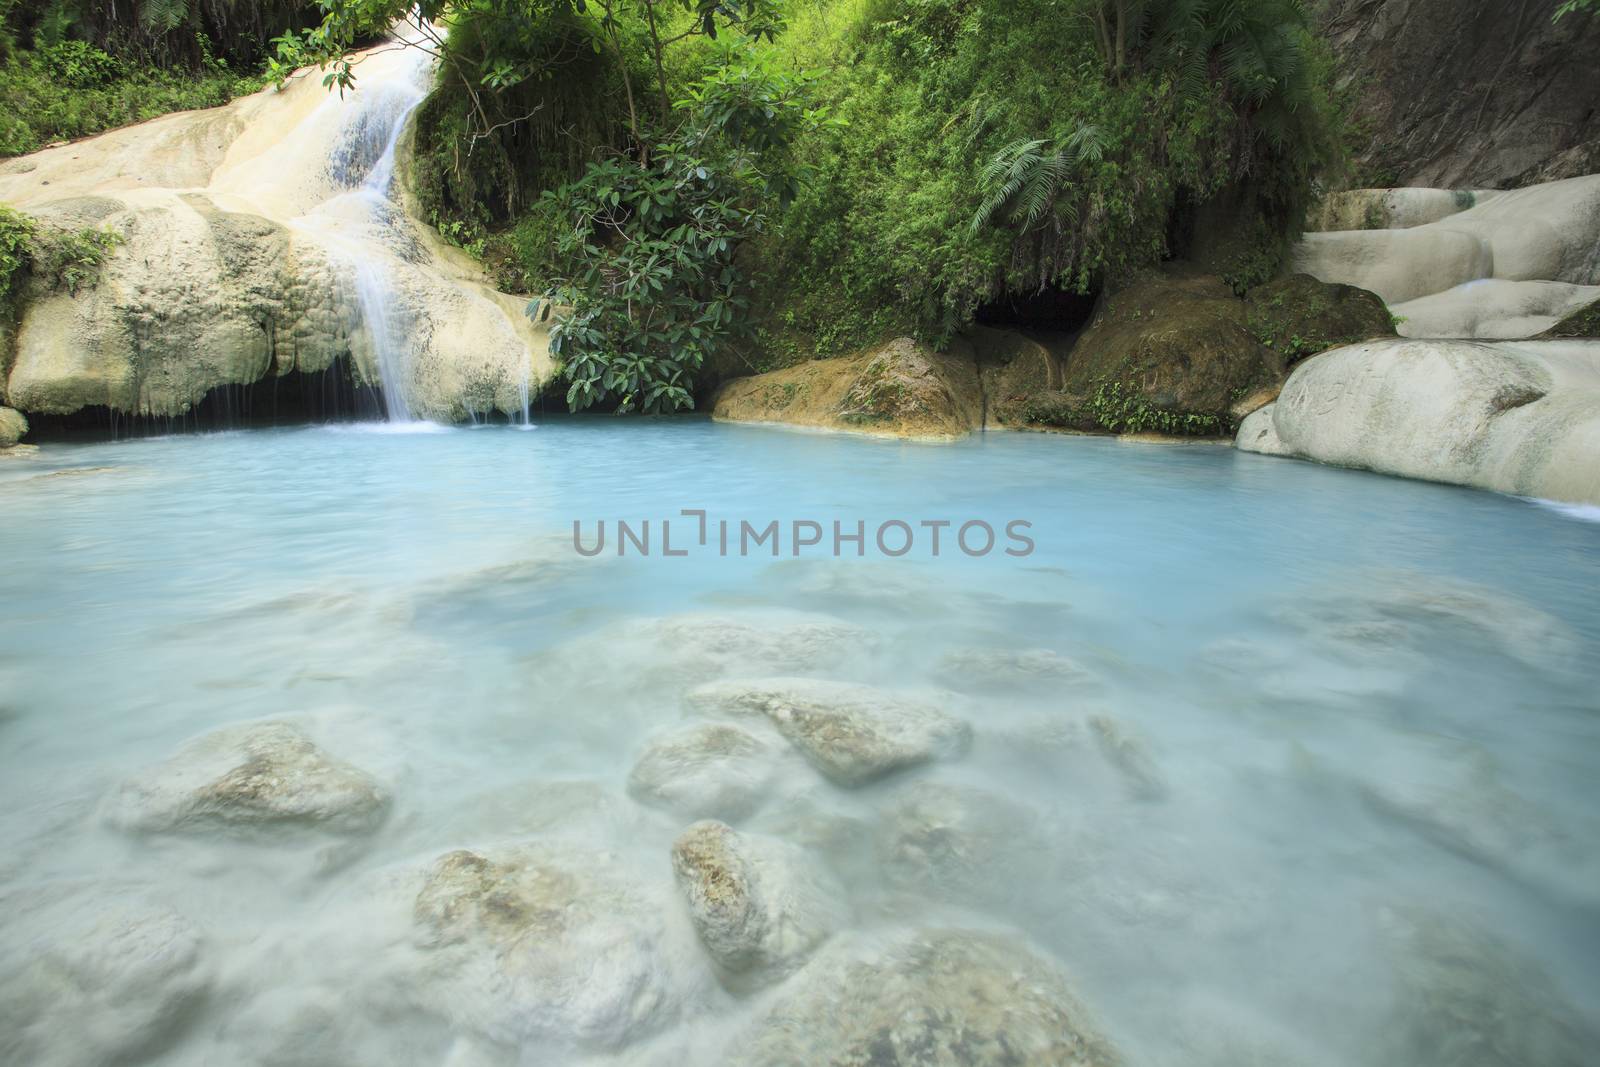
(935, 998)
(759, 904)
(1516, 417)
(253, 775)
(851, 733)
(1492, 309)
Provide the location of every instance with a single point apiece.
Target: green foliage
(1569, 6)
(66, 259)
(1119, 407)
(653, 240)
(16, 234)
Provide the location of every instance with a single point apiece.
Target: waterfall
(363, 161)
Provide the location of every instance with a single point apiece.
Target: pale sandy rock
(253, 775)
(759, 904)
(851, 733)
(706, 771)
(936, 998)
(1390, 209)
(1492, 309)
(1517, 417)
(94, 976)
(1017, 668)
(1398, 265)
(545, 943)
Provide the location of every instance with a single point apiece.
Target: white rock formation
(759, 904)
(937, 998)
(1520, 418)
(241, 235)
(253, 775)
(90, 976)
(1492, 309)
(851, 733)
(1391, 209)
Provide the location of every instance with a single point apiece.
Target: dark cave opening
(1050, 310)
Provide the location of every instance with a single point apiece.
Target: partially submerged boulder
(13, 426)
(251, 776)
(936, 998)
(851, 733)
(1298, 316)
(1517, 417)
(759, 904)
(544, 943)
(902, 389)
(89, 977)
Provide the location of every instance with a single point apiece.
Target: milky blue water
(1344, 792)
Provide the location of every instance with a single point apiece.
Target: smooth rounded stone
(90, 976)
(710, 770)
(1492, 309)
(549, 943)
(851, 733)
(252, 775)
(1516, 417)
(1398, 265)
(1391, 209)
(961, 841)
(758, 903)
(13, 426)
(983, 669)
(935, 998)
(1465, 998)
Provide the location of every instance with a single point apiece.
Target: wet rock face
(1489, 95)
(90, 978)
(1299, 316)
(941, 998)
(255, 775)
(851, 733)
(543, 943)
(711, 770)
(757, 904)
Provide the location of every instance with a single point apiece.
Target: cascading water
(363, 160)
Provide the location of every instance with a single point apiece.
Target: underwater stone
(257, 774)
(935, 998)
(851, 733)
(711, 770)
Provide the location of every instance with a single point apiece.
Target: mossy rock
(1169, 352)
(1299, 316)
(1585, 322)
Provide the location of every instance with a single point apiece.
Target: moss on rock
(1299, 316)
(1585, 322)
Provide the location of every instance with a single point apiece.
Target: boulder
(758, 903)
(13, 427)
(251, 776)
(706, 771)
(1516, 417)
(89, 977)
(1493, 309)
(1171, 352)
(544, 943)
(936, 998)
(851, 733)
(1397, 265)
(1299, 316)
(900, 389)
(954, 841)
(1389, 209)
(1464, 996)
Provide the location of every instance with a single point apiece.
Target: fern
(1025, 178)
(163, 16)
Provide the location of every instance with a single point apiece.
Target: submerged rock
(758, 903)
(544, 943)
(1468, 999)
(851, 733)
(981, 669)
(260, 774)
(711, 770)
(962, 842)
(91, 977)
(1516, 417)
(935, 998)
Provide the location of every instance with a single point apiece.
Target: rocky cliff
(1476, 94)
